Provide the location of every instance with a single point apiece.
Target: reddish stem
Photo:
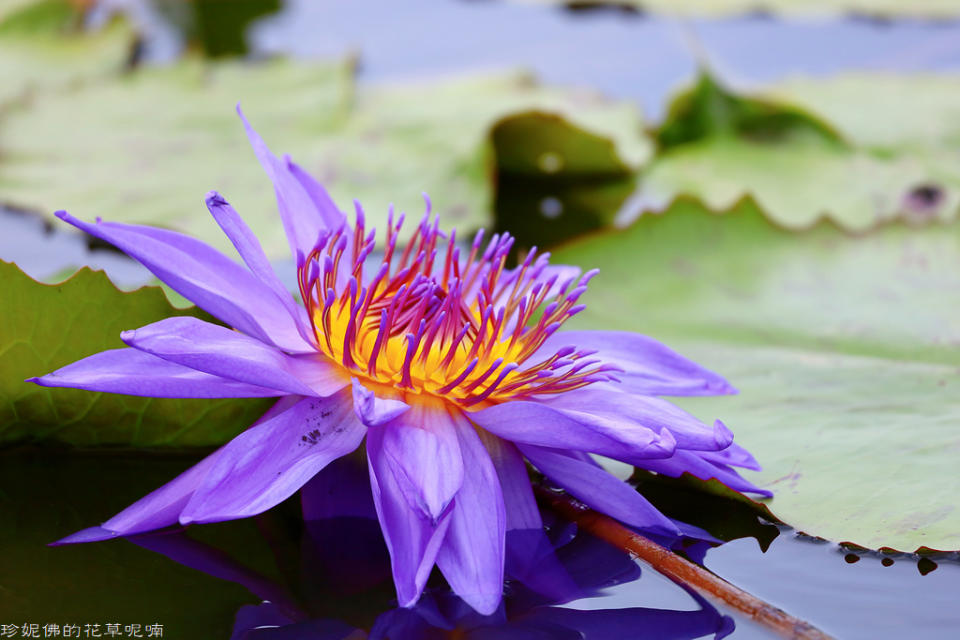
(680, 569)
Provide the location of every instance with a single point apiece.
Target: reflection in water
(554, 181)
(58, 492)
(340, 586)
(547, 211)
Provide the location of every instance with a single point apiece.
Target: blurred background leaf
(803, 165)
(126, 160)
(880, 9)
(43, 46)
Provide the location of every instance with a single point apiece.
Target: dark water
(46, 496)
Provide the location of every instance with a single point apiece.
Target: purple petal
(161, 508)
(649, 367)
(518, 499)
(412, 537)
(734, 455)
(156, 510)
(251, 252)
(693, 463)
(136, 373)
(90, 534)
(269, 462)
(472, 555)
(422, 452)
(374, 411)
(529, 556)
(204, 276)
(327, 209)
(223, 352)
(302, 217)
(647, 411)
(278, 407)
(540, 423)
(597, 488)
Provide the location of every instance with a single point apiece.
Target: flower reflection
(345, 593)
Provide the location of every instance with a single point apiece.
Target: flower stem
(680, 569)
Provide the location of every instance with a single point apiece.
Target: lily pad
(435, 136)
(800, 165)
(923, 9)
(45, 327)
(146, 147)
(905, 111)
(846, 351)
(42, 47)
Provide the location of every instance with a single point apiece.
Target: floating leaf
(710, 505)
(846, 351)
(45, 327)
(798, 166)
(709, 110)
(43, 48)
(882, 111)
(146, 147)
(923, 9)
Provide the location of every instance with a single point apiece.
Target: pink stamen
(460, 310)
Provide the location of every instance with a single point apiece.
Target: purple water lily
(449, 365)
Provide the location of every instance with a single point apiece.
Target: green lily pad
(45, 327)
(435, 136)
(905, 111)
(846, 351)
(799, 164)
(923, 9)
(146, 147)
(42, 47)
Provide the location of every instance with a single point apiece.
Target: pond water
(640, 57)
(48, 495)
(196, 592)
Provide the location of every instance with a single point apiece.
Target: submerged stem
(680, 569)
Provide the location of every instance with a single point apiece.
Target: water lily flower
(449, 367)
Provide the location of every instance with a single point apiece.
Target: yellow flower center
(464, 330)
